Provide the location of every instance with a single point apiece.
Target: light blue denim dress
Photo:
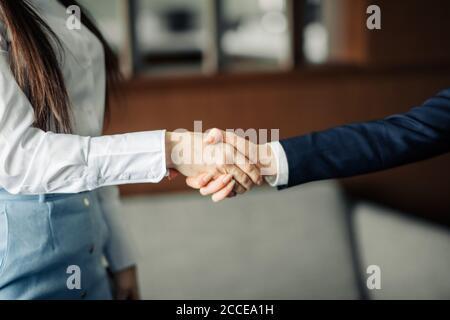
(43, 237)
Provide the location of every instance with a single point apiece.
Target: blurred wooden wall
(384, 72)
(414, 32)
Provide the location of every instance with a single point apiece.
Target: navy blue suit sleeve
(360, 148)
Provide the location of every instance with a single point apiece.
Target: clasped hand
(219, 163)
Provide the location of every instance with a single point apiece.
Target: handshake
(218, 163)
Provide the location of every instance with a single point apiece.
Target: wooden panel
(414, 32)
(345, 21)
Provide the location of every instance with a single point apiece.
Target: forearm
(35, 162)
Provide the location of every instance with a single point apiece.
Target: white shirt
(36, 162)
(282, 165)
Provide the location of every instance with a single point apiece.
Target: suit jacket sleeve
(361, 148)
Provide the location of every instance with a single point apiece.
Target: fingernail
(227, 179)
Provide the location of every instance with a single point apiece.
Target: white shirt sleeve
(36, 162)
(282, 177)
(120, 249)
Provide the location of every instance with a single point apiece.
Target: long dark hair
(34, 63)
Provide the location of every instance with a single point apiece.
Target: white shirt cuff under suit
(282, 177)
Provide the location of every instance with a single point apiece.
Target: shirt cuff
(282, 177)
(128, 158)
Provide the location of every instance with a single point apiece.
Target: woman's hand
(261, 155)
(189, 154)
(126, 284)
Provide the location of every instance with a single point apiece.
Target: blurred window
(188, 36)
(255, 34)
(170, 35)
(315, 34)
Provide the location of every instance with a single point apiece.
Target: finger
(247, 148)
(240, 176)
(214, 136)
(200, 181)
(238, 189)
(192, 182)
(216, 185)
(251, 170)
(232, 195)
(222, 194)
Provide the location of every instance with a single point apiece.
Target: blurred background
(297, 66)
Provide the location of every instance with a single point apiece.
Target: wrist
(267, 161)
(178, 145)
(169, 145)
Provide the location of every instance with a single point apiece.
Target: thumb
(214, 136)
